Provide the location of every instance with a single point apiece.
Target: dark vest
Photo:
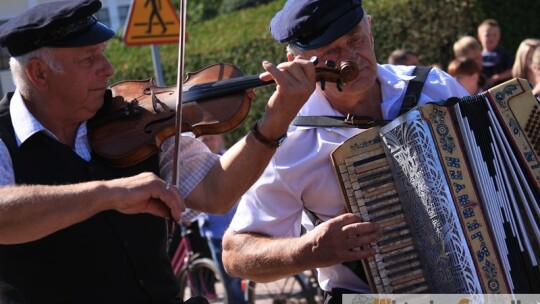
(109, 258)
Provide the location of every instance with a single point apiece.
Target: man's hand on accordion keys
(342, 239)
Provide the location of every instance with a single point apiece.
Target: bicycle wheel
(203, 279)
(294, 289)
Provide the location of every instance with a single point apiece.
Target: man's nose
(107, 69)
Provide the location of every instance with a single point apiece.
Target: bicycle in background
(197, 275)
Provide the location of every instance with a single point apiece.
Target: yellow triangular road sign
(152, 22)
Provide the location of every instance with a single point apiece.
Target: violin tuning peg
(330, 64)
(323, 83)
(314, 60)
(339, 86)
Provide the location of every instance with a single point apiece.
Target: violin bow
(178, 123)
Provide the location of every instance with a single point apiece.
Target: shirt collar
(25, 125)
(394, 81)
(318, 105)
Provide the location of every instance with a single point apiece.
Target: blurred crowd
(481, 62)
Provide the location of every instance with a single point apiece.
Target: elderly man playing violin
(72, 228)
(264, 240)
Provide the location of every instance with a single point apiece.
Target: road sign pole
(158, 71)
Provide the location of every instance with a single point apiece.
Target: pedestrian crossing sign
(152, 22)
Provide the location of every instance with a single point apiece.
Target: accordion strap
(412, 95)
(349, 121)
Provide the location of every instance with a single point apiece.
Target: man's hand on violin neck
(295, 82)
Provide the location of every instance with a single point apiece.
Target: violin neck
(222, 88)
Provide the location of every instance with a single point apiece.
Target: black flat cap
(310, 24)
(54, 24)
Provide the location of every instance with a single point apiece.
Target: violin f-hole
(155, 102)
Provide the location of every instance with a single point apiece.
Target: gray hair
(295, 51)
(18, 67)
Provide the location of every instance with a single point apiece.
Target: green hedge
(428, 27)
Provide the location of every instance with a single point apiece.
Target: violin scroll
(347, 71)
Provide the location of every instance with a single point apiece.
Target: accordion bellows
(456, 190)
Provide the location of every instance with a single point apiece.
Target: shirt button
(141, 282)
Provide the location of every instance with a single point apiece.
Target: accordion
(456, 190)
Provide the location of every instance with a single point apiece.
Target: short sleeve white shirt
(301, 173)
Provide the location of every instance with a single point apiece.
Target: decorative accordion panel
(427, 202)
(455, 190)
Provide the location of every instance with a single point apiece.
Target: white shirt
(195, 160)
(301, 173)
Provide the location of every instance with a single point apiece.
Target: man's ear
(369, 23)
(290, 57)
(37, 72)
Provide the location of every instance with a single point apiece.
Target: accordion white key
(456, 190)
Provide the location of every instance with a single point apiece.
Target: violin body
(220, 114)
(144, 115)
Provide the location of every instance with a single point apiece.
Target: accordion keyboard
(367, 179)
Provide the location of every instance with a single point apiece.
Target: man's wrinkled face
(80, 87)
(357, 47)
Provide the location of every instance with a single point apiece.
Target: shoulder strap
(349, 121)
(410, 100)
(320, 121)
(412, 95)
(313, 218)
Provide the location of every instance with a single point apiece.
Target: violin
(139, 116)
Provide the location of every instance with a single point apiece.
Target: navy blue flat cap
(310, 24)
(54, 24)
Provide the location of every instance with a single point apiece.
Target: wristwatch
(273, 144)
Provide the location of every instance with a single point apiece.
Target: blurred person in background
(535, 66)
(497, 61)
(403, 57)
(468, 73)
(468, 47)
(523, 64)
